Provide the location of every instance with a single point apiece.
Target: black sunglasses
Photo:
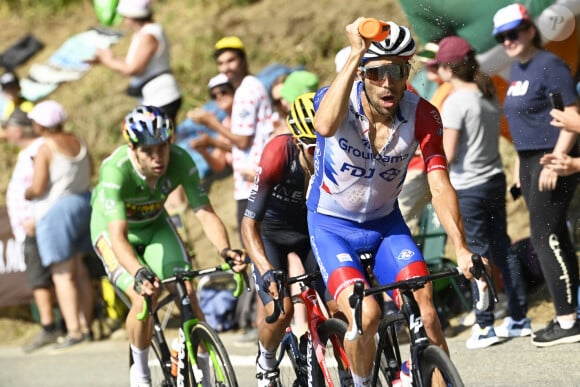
(393, 71)
(222, 90)
(510, 35)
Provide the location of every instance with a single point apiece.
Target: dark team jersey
(278, 193)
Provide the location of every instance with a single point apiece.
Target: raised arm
(334, 104)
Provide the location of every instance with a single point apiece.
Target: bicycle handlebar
(359, 292)
(282, 282)
(240, 279)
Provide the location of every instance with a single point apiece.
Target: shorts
(39, 277)
(277, 246)
(64, 230)
(337, 243)
(157, 247)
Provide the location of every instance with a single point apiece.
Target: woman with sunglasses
(535, 74)
(471, 117)
(212, 150)
(274, 224)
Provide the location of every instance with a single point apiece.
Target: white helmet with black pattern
(398, 43)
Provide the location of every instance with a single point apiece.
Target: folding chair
(432, 239)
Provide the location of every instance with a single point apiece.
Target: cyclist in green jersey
(130, 229)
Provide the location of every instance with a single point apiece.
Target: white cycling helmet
(147, 125)
(398, 43)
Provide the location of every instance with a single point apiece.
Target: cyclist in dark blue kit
(274, 224)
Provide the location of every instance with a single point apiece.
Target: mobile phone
(556, 100)
(515, 191)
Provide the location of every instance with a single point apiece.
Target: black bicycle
(429, 362)
(318, 359)
(194, 337)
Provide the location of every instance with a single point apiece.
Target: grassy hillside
(299, 32)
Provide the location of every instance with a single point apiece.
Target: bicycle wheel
(388, 357)
(292, 369)
(435, 364)
(331, 333)
(221, 372)
(160, 374)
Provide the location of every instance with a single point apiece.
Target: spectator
(471, 118)
(563, 164)
(295, 84)
(279, 111)
(367, 129)
(415, 192)
(147, 61)
(11, 92)
(568, 119)
(533, 75)
(251, 128)
(60, 189)
(212, 152)
(20, 211)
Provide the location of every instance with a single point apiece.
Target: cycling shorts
(157, 247)
(337, 244)
(277, 246)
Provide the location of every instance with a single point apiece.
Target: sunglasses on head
(222, 90)
(392, 71)
(510, 35)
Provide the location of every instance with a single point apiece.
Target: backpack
(216, 299)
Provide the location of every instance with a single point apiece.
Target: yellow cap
(230, 42)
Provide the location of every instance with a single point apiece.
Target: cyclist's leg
(334, 243)
(139, 332)
(165, 253)
(270, 335)
(399, 258)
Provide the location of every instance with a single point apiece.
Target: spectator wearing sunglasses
(211, 150)
(535, 74)
(367, 131)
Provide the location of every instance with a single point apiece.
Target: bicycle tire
(160, 376)
(221, 371)
(292, 372)
(331, 333)
(433, 360)
(388, 357)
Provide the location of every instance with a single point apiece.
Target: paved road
(104, 363)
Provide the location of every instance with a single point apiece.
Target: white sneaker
(135, 381)
(481, 337)
(512, 328)
(268, 378)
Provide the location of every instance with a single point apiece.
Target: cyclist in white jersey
(367, 131)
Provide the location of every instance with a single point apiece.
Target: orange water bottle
(174, 356)
(374, 29)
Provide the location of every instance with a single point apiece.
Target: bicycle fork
(315, 316)
(419, 339)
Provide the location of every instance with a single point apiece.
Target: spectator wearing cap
(251, 127)
(18, 130)
(471, 116)
(13, 99)
(534, 75)
(147, 62)
(213, 150)
(60, 188)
